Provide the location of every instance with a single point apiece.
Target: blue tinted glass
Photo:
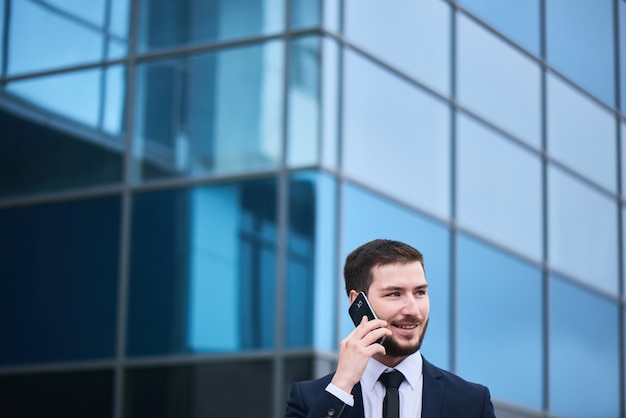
(622, 52)
(581, 134)
(304, 107)
(2, 69)
(367, 216)
(94, 98)
(330, 101)
(499, 318)
(582, 234)
(311, 263)
(59, 288)
(170, 23)
(202, 270)
(331, 12)
(498, 188)
(580, 43)
(305, 13)
(517, 19)
(498, 82)
(413, 36)
(397, 138)
(211, 113)
(584, 358)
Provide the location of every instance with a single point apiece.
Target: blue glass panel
(580, 43)
(311, 289)
(304, 102)
(498, 188)
(498, 82)
(413, 36)
(583, 233)
(59, 288)
(581, 134)
(330, 102)
(93, 97)
(365, 217)
(517, 19)
(202, 270)
(38, 157)
(211, 113)
(305, 13)
(395, 136)
(499, 317)
(584, 357)
(622, 53)
(331, 12)
(170, 23)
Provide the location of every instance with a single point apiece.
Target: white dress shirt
(374, 392)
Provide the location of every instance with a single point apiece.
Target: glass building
(180, 182)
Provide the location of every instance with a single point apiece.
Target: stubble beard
(394, 349)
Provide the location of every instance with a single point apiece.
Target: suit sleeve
(487, 405)
(304, 403)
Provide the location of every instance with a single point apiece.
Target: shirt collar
(411, 368)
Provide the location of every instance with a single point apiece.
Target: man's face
(399, 295)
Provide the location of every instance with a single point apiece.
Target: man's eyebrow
(392, 288)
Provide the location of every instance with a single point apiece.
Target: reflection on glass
(581, 134)
(76, 394)
(60, 302)
(584, 357)
(305, 13)
(202, 273)
(311, 265)
(580, 43)
(212, 113)
(365, 217)
(330, 99)
(52, 34)
(518, 19)
(499, 319)
(167, 24)
(498, 82)
(582, 232)
(205, 390)
(498, 188)
(413, 36)
(397, 138)
(93, 97)
(304, 121)
(622, 53)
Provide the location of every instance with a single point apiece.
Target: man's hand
(356, 349)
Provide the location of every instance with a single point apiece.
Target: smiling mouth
(405, 326)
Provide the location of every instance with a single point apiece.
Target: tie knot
(392, 379)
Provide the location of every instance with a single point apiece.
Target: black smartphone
(361, 307)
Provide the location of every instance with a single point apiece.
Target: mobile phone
(361, 307)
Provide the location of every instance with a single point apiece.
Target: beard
(395, 349)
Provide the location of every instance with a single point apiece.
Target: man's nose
(411, 306)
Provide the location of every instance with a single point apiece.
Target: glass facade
(180, 183)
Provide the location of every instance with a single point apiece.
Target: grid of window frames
(487, 134)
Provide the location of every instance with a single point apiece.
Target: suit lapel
(432, 394)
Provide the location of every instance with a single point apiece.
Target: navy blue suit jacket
(444, 395)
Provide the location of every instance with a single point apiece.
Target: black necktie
(391, 404)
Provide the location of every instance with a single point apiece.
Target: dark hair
(357, 270)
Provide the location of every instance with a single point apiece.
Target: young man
(392, 276)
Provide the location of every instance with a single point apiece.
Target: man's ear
(353, 295)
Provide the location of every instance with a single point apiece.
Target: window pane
(206, 390)
(311, 263)
(69, 395)
(304, 81)
(36, 156)
(584, 357)
(499, 188)
(580, 43)
(60, 302)
(330, 100)
(170, 23)
(305, 13)
(212, 113)
(581, 134)
(500, 322)
(498, 82)
(582, 232)
(396, 136)
(622, 53)
(197, 255)
(413, 36)
(518, 19)
(94, 97)
(367, 216)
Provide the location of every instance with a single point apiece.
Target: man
(392, 276)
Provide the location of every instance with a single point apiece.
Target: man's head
(391, 273)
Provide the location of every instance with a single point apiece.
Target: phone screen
(361, 307)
